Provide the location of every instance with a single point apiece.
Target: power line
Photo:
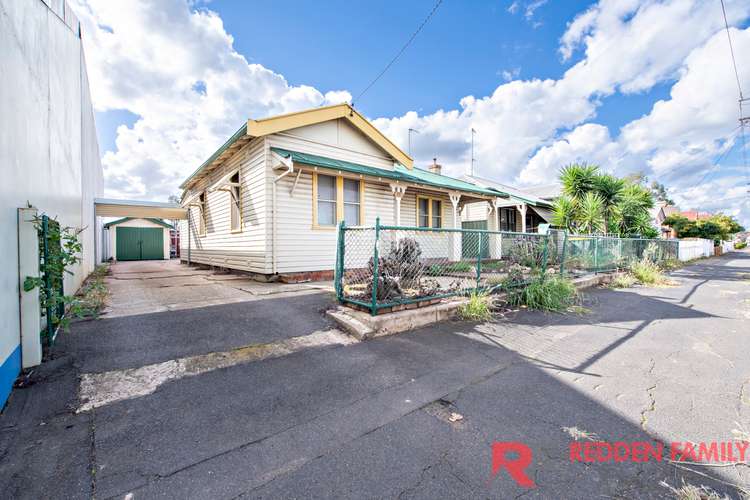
(731, 49)
(408, 42)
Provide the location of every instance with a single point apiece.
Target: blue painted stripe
(9, 370)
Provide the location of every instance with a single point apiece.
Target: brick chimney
(435, 168)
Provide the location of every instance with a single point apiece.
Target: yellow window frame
(429, 210)
(339, 200)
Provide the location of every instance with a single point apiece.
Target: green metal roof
(242, 131)
(125, 219)
(401, 173)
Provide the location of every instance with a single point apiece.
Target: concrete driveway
(408, 416)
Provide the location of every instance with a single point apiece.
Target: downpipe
(289, 169)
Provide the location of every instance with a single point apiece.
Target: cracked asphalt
(374, 419)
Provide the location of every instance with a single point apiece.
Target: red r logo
(517, 466)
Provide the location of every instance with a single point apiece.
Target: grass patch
(647, 272)
(623, 281)
(671, 264)
(692, 492)
(93, 295)
(477, 308)
(545, 293)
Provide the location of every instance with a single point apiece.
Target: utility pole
(471, 168)
(744, 120)
(410, 131)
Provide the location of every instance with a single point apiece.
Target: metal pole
(562, 258)
(479, 259)
(47, 279)
(339, 275)
(375, 275)
(189, 233)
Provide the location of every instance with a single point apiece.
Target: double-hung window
(235, 202)
(429, 212)
(337, 198)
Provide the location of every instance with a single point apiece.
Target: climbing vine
(59, 250)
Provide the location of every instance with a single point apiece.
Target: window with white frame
(202, 216)
(235, 202)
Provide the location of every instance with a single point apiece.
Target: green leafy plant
(546, 293)
(477, 308)
(64, 249)
(740, 245)
(624, 280)
(526, 251)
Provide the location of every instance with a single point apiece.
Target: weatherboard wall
(245, 249)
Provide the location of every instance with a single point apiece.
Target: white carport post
(493, 224)
(522, 210)
(455, 250)
(398, 191)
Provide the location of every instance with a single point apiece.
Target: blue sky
(630, 85)
(461, 51)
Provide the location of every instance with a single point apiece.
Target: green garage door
(140, 243)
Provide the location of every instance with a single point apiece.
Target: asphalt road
(409, 416)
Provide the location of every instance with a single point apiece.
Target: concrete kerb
(364, 326)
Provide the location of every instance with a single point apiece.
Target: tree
(609, 188)
(564, 212)
(659, 191)
(632, 211)
(578, 179)
(717, 227)
(591, 213)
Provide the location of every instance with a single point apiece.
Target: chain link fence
(385, 267)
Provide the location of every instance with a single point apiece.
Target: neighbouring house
(521, 212)
(268, 201)
(49, 157)
(695, 215)
(137, 239)
(659, 213)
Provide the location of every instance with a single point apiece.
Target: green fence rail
(383, 266)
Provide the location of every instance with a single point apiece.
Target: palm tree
(564, 212)
(609, 188)
(631, 212)
(578, 179)
(591, 213)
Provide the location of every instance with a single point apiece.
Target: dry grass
(478, 308)
(692, 492)
(623, 281)
(93, 295)
(580, 434)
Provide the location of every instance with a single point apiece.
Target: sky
(633, 86)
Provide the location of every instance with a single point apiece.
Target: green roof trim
(401, 173)
(152, 219)
(242, 131)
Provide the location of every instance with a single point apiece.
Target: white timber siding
(475, 211)
(245, 249)
(110, 250)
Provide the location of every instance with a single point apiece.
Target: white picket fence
(695, 248)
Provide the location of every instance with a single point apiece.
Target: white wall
(49, 156)
(690, 249)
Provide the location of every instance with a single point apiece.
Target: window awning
(138, 209)
(400, 173)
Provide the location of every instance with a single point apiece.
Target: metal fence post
(544, 255)
(562, 257)
(375, 270)
(479, 261)
(339, 273)
(47, 279)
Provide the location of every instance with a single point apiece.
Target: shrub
(400, 268)
(477, 308)
(740, 245)
(647, 272)
(671, 264)
(546, 293)
(526, 251)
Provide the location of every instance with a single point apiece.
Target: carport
(135, 237)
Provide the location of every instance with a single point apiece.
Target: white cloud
(177, 70)
(510, 74)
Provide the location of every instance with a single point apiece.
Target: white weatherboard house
(522, 211)
(268, 201)
(132, 238)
